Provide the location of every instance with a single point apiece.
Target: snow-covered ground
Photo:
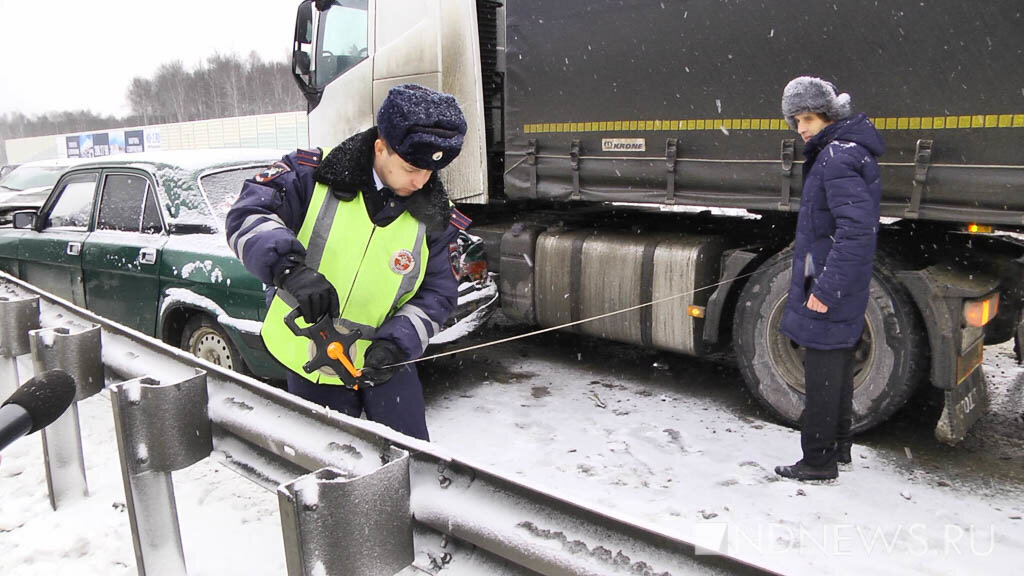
(644, 448)
(660, 449)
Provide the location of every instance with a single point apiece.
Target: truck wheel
(204, 338)
(888, 364)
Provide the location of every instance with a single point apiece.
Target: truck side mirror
(301, 61)
(25, 219)
(302, 47)
(304, 23)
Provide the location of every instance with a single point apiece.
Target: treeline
(220, 87)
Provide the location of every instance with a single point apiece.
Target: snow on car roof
(191, 159)
(52, 163)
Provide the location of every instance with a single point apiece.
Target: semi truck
(632, 156)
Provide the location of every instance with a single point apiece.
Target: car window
(222, 188)
(73, 207)
(122, 202)
(151, 223)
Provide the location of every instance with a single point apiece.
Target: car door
(50, 256)
(121, 258)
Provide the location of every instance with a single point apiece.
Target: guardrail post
(335, 525)
(17, 317)
(160, 428)
(78, 354)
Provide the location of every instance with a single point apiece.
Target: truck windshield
(343, 40)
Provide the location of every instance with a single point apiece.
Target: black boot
(803, 472)
(843, 453)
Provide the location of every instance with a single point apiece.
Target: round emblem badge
(437, 155)
(402, 262)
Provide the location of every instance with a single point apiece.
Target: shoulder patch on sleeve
(272, 171)
(459, 220)
(308, 157)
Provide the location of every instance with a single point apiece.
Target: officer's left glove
(380, 354)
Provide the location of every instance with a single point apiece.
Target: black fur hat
(810, 94)
(423, 126)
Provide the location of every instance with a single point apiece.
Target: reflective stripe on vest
(375, 269)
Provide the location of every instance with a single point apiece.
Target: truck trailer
(625, 153)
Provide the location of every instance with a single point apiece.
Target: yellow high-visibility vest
(375, 269)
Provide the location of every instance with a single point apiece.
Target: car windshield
(25, 177)
(222, 188)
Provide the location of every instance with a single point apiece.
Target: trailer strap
(922, 160)
(531, 161)
(574, 161)
(671, 147)
(786, 155)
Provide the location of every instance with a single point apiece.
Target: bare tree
(222, 86)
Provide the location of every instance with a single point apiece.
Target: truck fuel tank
(577, 274)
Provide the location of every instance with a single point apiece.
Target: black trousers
(828, 411)
(398, 403)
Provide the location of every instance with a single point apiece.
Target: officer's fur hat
(810, 94)
(424, 127)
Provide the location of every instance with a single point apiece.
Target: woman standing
(832, 262)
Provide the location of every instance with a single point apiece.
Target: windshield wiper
(11, 188)
(192, 228)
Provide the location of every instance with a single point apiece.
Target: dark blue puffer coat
(835, 235)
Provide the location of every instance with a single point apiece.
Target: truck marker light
(977, 313)
(695, 311)
(979, 229)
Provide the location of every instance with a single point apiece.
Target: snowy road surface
(658, 438)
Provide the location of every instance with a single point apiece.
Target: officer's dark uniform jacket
(835, 235)
(263, 224)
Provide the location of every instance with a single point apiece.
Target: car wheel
(204, 338)
(889, 361)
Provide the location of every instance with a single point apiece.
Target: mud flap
(1018, 338)
(965, 403)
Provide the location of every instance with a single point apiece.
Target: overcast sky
(78, 54)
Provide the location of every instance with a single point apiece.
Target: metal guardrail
(356, 498)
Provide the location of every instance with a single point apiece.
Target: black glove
(381, 353)
(315, 295)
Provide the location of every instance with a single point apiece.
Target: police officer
(363, 232)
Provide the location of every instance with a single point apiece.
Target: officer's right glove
(314, 294)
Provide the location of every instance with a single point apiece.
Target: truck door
(342, 72)
(51, 256)
(351, 54)
(120, 259)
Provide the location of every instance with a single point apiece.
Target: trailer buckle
(786, 155)
(922, 160)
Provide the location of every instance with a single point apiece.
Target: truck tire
(204, 338)
(889, 363)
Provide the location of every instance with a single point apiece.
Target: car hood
(29, 196)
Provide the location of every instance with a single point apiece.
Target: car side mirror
(25, 219)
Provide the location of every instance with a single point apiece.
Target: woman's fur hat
(810, 94)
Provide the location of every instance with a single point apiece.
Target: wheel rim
(788, 359)
(209, 345)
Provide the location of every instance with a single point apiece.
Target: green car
(139, 240)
